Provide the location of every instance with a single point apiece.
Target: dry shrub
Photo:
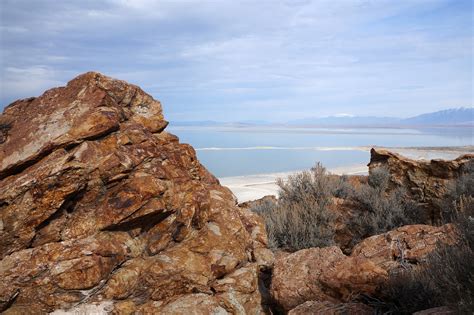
(459, 195)
(381, 210)
(301, 218)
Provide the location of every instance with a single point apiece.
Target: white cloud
(207, 56)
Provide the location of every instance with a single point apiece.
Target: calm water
(245, 151)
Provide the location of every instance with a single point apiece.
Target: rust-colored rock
(322, 274)
(296, 276)
(426, 182)
(102, 209)
(403, 246)
(324, 280)
(353, 276)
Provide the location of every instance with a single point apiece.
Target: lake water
(248, 151)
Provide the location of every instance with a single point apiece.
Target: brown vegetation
(300, 218)
(380, 209)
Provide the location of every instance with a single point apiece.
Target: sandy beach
(251, 187)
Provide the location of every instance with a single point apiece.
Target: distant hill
(448, 117)
(346, 121)
(453, 116)
(202, 123)
(463, 116)
(212, 123)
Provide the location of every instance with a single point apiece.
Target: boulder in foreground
(101, 209)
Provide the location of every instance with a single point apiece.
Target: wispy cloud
(254, 59)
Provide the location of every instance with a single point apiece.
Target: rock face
(101, 209)
(426, 182)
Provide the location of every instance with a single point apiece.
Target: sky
(231, 60)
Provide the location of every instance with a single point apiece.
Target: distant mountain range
(463, 116)
(454, 116)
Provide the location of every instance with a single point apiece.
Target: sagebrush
(381, 209)
(301, 218)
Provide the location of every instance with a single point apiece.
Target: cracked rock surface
(102, 210)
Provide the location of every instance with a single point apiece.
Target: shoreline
(252, 187)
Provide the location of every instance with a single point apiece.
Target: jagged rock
(322, 274)
(318, 307)
(404, 246)
(426, 182)
(102, 208)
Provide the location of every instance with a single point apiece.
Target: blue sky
(249, 60)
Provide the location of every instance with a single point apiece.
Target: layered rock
(101, 209)
(426, 182)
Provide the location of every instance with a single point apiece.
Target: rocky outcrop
(326, 280)
(426, 182)
(405, 246)
(322, 274)
(101, 209)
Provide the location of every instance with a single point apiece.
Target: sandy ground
(251, 187)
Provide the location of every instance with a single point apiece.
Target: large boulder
(325, 280)
(426, 182)
(101, 209)
(322, 274)
(295, 278)
(405, 246)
